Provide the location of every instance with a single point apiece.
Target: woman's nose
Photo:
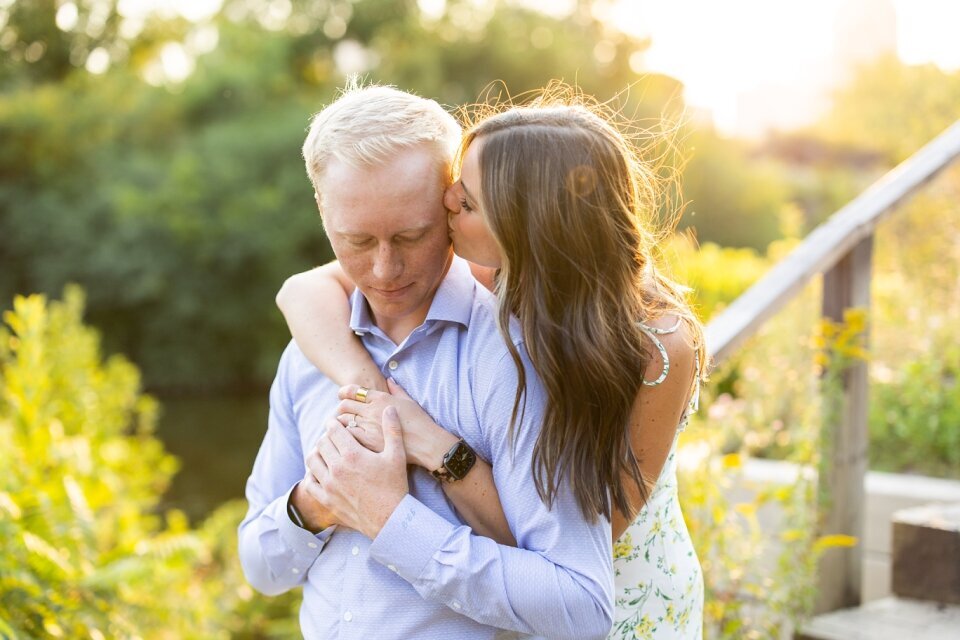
(451, 200)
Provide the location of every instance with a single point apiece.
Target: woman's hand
(425, 442)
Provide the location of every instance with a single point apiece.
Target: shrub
(85, 552)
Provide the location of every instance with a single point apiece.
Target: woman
(552, 197)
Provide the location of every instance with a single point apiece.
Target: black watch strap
(295, 515)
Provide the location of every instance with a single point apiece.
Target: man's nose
(388, 265)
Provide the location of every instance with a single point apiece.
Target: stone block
(926, 553)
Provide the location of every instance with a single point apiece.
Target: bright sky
(723, 50)
(764, 62)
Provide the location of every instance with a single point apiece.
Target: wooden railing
(841, 249)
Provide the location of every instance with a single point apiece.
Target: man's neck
(398, 330)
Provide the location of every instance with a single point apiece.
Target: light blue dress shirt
(426, 575)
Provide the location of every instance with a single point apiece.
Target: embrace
(472, 434)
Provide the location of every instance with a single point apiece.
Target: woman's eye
(464, 206)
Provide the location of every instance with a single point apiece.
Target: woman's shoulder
(673, 351)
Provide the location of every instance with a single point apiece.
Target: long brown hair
(566, 197)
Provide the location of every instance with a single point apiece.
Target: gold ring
(361, 394)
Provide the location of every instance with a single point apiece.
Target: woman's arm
(475, 496)
(655, 416)
(316, 307)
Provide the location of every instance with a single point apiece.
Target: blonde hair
(571, 206)
(367, 125)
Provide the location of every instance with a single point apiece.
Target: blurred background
(149, 155)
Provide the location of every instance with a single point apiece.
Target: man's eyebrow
(362, 234)
(351, 234)
(421, 229)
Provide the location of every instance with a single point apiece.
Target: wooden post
(844, 465)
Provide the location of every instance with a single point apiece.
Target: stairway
(925, 582)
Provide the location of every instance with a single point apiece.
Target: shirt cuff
(409, 539)
(300, 541)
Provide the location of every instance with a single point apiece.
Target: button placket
(351, 586)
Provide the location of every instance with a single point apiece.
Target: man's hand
(359, 487)
(316, 516)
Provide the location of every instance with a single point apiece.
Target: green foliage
(757, 580)
(732, 200)
(716, 275)
(85, 552)
(915, 316)
(180, 208)
(915, 416)
(893, 108)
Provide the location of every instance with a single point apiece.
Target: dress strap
(652, 333)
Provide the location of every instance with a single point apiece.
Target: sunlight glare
(98, 61)
(192, 10)
(67, 16)
(742, 58)
(432, 9)
(927, 31)
(176, 62)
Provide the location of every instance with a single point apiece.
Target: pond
(216, 439)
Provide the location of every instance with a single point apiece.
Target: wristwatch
(456, 463)
(295, 515)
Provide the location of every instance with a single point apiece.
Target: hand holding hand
(360, 487)
(425, 441)
(304, 497)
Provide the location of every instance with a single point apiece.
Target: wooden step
(926, 553)
(886, 619)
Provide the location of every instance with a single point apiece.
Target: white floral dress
(659, 584)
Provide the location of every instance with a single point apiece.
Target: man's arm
(559, 584)
(275, 553)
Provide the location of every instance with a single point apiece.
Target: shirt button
(348, 616)
(360, 333)
(393, 364)
(355, 550)
(295, 570)
(312, 545)
(456, 605)
(392, 568)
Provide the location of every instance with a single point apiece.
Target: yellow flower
(836, 540)
(623, 547)
(645, 628)
(732, 461)
(855, 319)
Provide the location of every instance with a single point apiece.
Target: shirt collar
(453, 301)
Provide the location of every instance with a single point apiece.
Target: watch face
(459, 461)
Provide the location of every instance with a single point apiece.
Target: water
(216, 439)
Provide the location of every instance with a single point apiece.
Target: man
(391, 558)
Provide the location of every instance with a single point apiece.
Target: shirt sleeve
(275, 553)
(557, 583)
